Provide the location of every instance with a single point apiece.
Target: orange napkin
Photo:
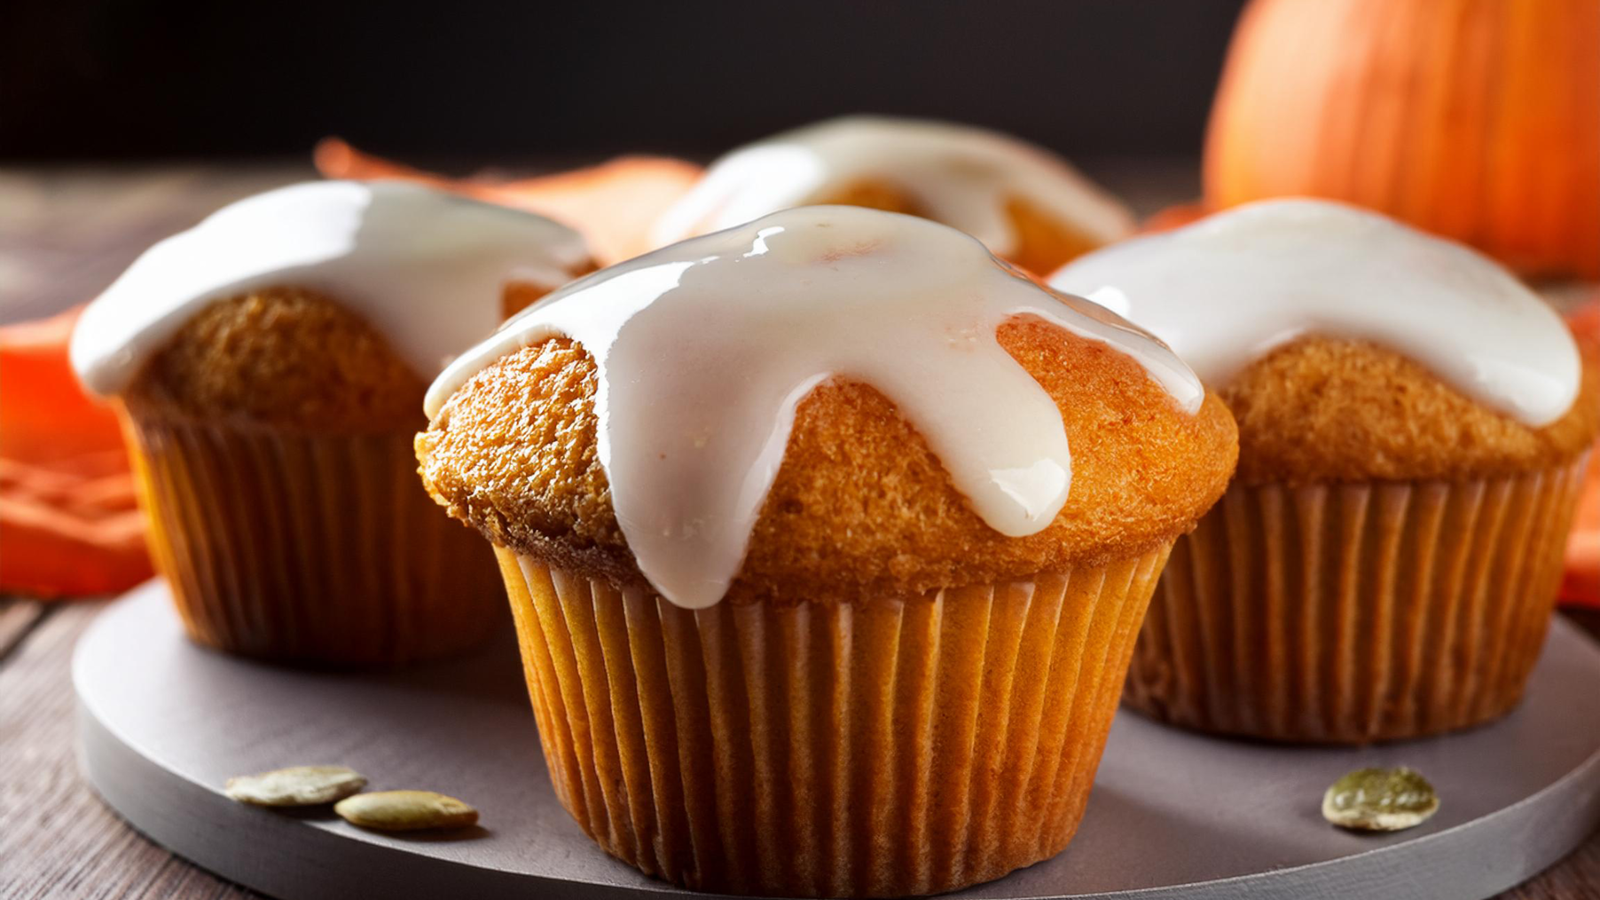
(1581, 583)
(612, 205)
(69, 525)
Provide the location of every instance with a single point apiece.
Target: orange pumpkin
(1475, 119)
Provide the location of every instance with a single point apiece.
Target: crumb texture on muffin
(1333, 409)
(861, 507)
(283, 357)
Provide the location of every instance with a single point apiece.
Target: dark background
(476, 80)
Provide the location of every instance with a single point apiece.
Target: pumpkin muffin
(1026, 204)
(269, 367)
(807, 610)
(1413, 426)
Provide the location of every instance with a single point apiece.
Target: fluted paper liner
(871, 749)
(309, 547)
(1349, 613)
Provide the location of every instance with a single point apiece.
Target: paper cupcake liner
(312, 548)
(1350, 613)
(874, 749)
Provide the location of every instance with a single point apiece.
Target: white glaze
(961, 176)
(705, 348)
(1226, 290)
(424, 267)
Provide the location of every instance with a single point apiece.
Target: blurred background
(478, 80)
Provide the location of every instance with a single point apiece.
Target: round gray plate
(1173, 815)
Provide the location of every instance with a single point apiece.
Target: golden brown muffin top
(860, 507)
(285, 358)
(291, 358)
(1333, 409)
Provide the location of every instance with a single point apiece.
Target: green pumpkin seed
(405, 811)
(1380, 800)
(296, 786)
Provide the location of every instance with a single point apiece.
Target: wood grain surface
(64, 234)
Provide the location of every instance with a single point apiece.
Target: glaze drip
(1225, 291)
(426, 268)
(961, 176)
(705, 348)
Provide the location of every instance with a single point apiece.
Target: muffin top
(992, 186)
(1352, 347)
(429, 272)
(829, 403)
(282, 358)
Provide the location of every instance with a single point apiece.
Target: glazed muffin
(269, 366)
(1026, 204)
(813, 597)
(1413, 425)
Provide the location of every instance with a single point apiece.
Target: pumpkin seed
(1380, 800)
(296, 786)
(405, 811)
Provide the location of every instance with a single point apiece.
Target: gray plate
(1173, 815)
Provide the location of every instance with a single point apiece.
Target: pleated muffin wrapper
(882, 748)
(1352, 613)
(321, 549)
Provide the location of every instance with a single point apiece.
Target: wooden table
(64, 234)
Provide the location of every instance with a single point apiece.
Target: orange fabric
(612, 204)
(44, 414)
(1581, 583)
(69, 524)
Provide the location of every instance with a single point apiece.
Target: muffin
(813, 597)
(269, 366)
(1026, 204)
(1413, 425)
